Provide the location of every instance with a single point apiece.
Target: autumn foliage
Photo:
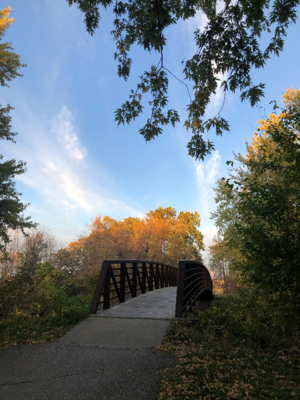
(4, 20)
(258, 213)
(161, 236)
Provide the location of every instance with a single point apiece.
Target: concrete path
(59, 371)
(102, 358)
(118, 332)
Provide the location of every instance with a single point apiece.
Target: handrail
(122, 279)
(194, 283)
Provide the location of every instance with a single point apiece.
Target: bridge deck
(158, 304)
(140, 322)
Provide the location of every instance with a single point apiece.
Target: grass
(37, 329)
(225, 353)
(43, 306)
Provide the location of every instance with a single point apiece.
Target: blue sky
(79, 162)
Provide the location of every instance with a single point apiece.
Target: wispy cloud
(63, 128)
(81, 43)
(217, 99)
(55, 71)
(199, 21)
(206, 174)
(209, 232)
(61, 178)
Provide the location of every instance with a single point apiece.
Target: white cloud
(208, 232)
(199, 21)
(220, 5)
(191, 25)
(55, 71)
(66, 189)
(64, 130)
(206, 174)
(73, 190)
(217, 99)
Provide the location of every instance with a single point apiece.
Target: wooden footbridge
(147, 289)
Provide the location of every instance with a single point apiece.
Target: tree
(9, 258)
(37, 247)
(26, 253)
(160, 236)
(221, 260)
(225, 250)
(179, 235)
(70, 260)
(227, 49)
(263, 196)
(11, 208)
(191, 224)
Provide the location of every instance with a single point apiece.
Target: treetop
(228, 49)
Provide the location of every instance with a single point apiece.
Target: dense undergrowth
(246, 346)
(42, 306)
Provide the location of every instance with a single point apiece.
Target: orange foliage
(160, 236)
(290, 99)
(4, 20)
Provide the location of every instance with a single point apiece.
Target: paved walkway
(158, 304)
(106, 357)
(140, 322)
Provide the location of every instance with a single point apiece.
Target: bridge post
(169, 277)
(99, 287)
(144, 277)
(157, 276)
(180, 290)
(106, 290)
(122, 282)
(151, 277)
(171, 281)
(134, 279)
(162, 277)
(166, 276)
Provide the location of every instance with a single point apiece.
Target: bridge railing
(120, 280)
(194, 283)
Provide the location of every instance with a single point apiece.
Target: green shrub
(252, 316)
(48, 293)
(43, 307)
